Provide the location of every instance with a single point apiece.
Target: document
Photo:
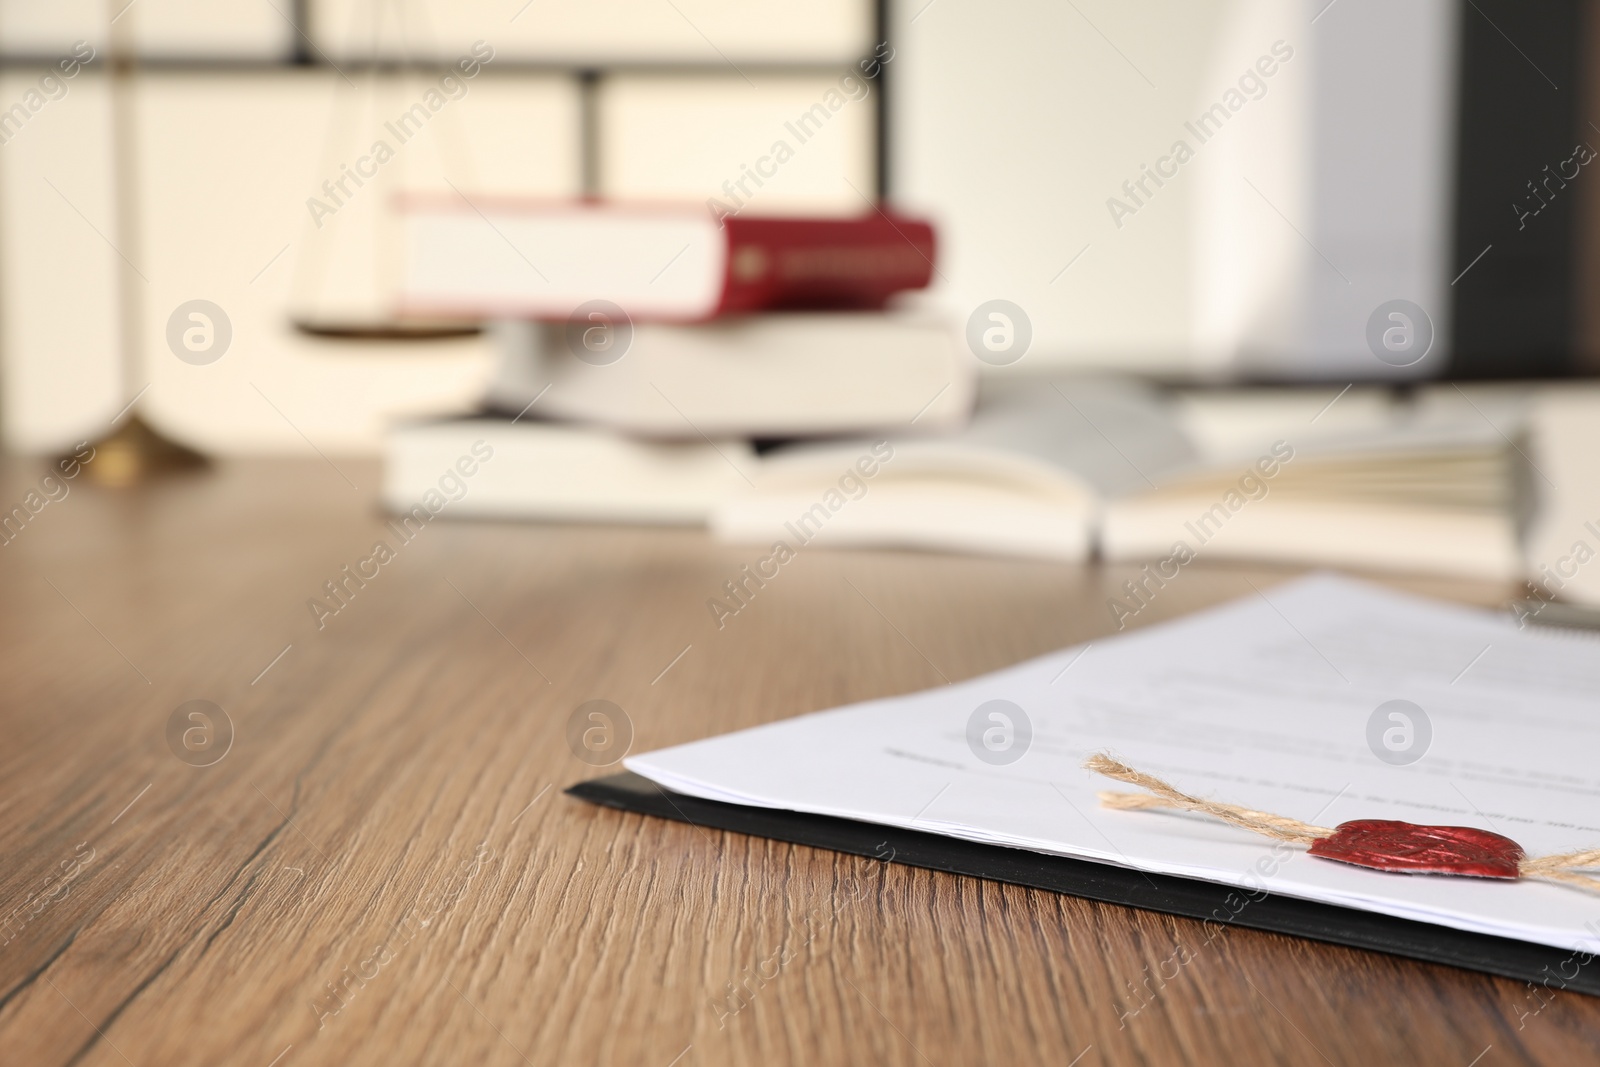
(1325, 699)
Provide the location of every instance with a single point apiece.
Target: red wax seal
(1386, 845)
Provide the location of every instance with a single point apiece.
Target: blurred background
(1336, 157)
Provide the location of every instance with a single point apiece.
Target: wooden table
(382, 868)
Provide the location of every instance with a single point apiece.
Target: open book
(1326, 700)
(1058, 468)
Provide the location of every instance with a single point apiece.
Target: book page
(1284, 701)
(1104, 436)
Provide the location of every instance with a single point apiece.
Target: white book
(771, 375)
(499, 468)
(1281, 702)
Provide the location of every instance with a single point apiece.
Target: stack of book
(646, 349)
(664, 365)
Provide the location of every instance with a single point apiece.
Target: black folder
(1553, 968)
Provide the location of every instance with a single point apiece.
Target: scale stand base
(135, 454)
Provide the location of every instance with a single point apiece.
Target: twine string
(1562, 868)
(1165, 796)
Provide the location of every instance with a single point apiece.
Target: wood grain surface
(381, 868)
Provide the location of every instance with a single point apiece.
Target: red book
(497, 258)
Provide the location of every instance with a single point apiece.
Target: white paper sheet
(1264, 702)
